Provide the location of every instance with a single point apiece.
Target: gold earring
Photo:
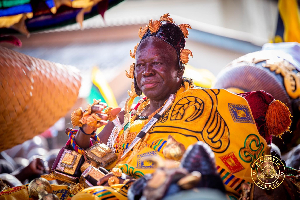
(131, 71)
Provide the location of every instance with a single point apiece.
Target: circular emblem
(267, 172)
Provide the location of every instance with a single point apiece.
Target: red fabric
(259, 102)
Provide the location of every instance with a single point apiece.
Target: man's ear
(180, 72)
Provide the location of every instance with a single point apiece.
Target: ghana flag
(101, 90)
(288, 24)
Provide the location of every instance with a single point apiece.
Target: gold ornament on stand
(173, 150)
(88, 163)
(40, 188)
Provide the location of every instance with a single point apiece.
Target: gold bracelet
(116, 172)
(113, 180)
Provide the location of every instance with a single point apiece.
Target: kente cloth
(221, 119)
(115, 192)
(21, 192)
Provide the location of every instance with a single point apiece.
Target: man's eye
(156, 63)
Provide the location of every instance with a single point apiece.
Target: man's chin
(151, 93)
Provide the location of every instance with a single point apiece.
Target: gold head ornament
(166, 17)
(142, 31)
(134, 51)
(131, 71)
(154, 25)
(184, 55)
(184, 29)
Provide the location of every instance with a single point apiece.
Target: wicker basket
(34, 94)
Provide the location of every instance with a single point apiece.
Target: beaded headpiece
(166, 30)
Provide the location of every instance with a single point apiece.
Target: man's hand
(99, 111)
(104, 181)
(36, 166)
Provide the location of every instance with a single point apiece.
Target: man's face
(156, 69)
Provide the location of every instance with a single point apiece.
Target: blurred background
(222, 30)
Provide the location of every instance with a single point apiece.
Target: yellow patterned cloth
(221, 119)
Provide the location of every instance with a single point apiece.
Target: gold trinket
(113, 180)
(39, 186)
(102, 154)
(68, 162)
(76, 116)
(91, 176)
(173, 150)
(116, 172)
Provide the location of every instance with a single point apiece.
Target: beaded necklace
(131, 116)
(128, 138)
(131, 136)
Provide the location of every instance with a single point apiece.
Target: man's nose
(148, 71)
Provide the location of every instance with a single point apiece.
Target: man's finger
(98, 108)
(103, 122)
(104, 179)
(102, 116)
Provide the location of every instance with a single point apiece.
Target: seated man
(172, 106)
(172, 116)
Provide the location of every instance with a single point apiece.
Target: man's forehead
(153, 45)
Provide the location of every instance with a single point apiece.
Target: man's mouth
(150, 85)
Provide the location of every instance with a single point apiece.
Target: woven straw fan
(34, 94)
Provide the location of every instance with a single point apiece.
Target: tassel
(278, 118)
